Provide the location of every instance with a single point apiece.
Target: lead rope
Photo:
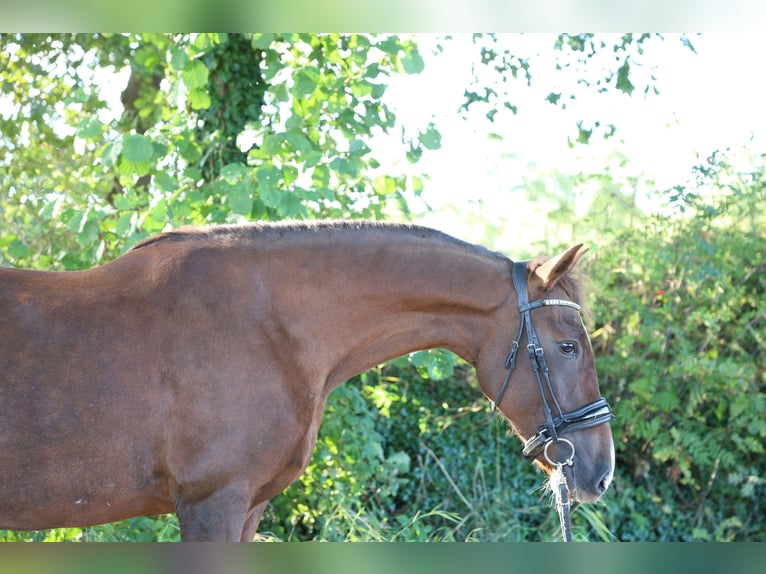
(562, 505)
(561, 488)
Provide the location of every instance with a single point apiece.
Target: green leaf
(431, 138)
(553, 97)
(268, 178)
(137, 148)
(126, 224)
(271, 65)
(398, 462)
(373, 71)
(312, 158)
(377, 91)
(305, 86)
(272, 143)
(128, 201)
(156, 217)
(623, 78)
(361, 89)
(390, 45)
(17, 249)
(233, 172)
(340, 165)
(52, 208)
(240, 200)
(88, 233)
(177, 94)
(193, 173)
(320, 177)
(129, 168)
(189, 150)
(414, 154)
(268, 174)
(299, 142)
(263, 41)
(358, 148)
(289, 174)
(195, 74)
(165, 181)
(280, 92)
(90, 128)
(199, 99)
(417, 185)
(110, 153)
(204, 41)
(384, 185)
(178, 58)
(290, 206)
(85, 225)
(270, 194)
(147, 57)
(413, 62)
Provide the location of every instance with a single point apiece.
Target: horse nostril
(604, 483)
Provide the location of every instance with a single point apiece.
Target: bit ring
(568, 461)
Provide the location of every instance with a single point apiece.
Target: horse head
(549, 387)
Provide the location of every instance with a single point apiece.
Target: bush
(680, 310)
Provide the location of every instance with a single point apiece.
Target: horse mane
(253, 232)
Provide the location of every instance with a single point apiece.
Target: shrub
(680, 310)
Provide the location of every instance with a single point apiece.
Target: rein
(556, 420)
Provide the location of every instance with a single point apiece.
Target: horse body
(190, 374)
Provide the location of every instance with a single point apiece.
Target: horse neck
(353, 303)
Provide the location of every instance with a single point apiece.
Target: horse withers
(190, 374)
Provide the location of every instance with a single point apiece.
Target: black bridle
(556, 421)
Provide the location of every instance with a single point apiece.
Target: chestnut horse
(190, 374)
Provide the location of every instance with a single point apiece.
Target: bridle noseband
(556, 421)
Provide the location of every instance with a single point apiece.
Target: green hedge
(680, 310)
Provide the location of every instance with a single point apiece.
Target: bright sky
(709, 101)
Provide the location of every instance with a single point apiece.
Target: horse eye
(568, 348)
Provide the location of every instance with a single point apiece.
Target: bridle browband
(556, 421)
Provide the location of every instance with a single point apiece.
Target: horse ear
(551, 270)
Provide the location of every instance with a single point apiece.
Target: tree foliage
(213, 128)
(583, 63)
